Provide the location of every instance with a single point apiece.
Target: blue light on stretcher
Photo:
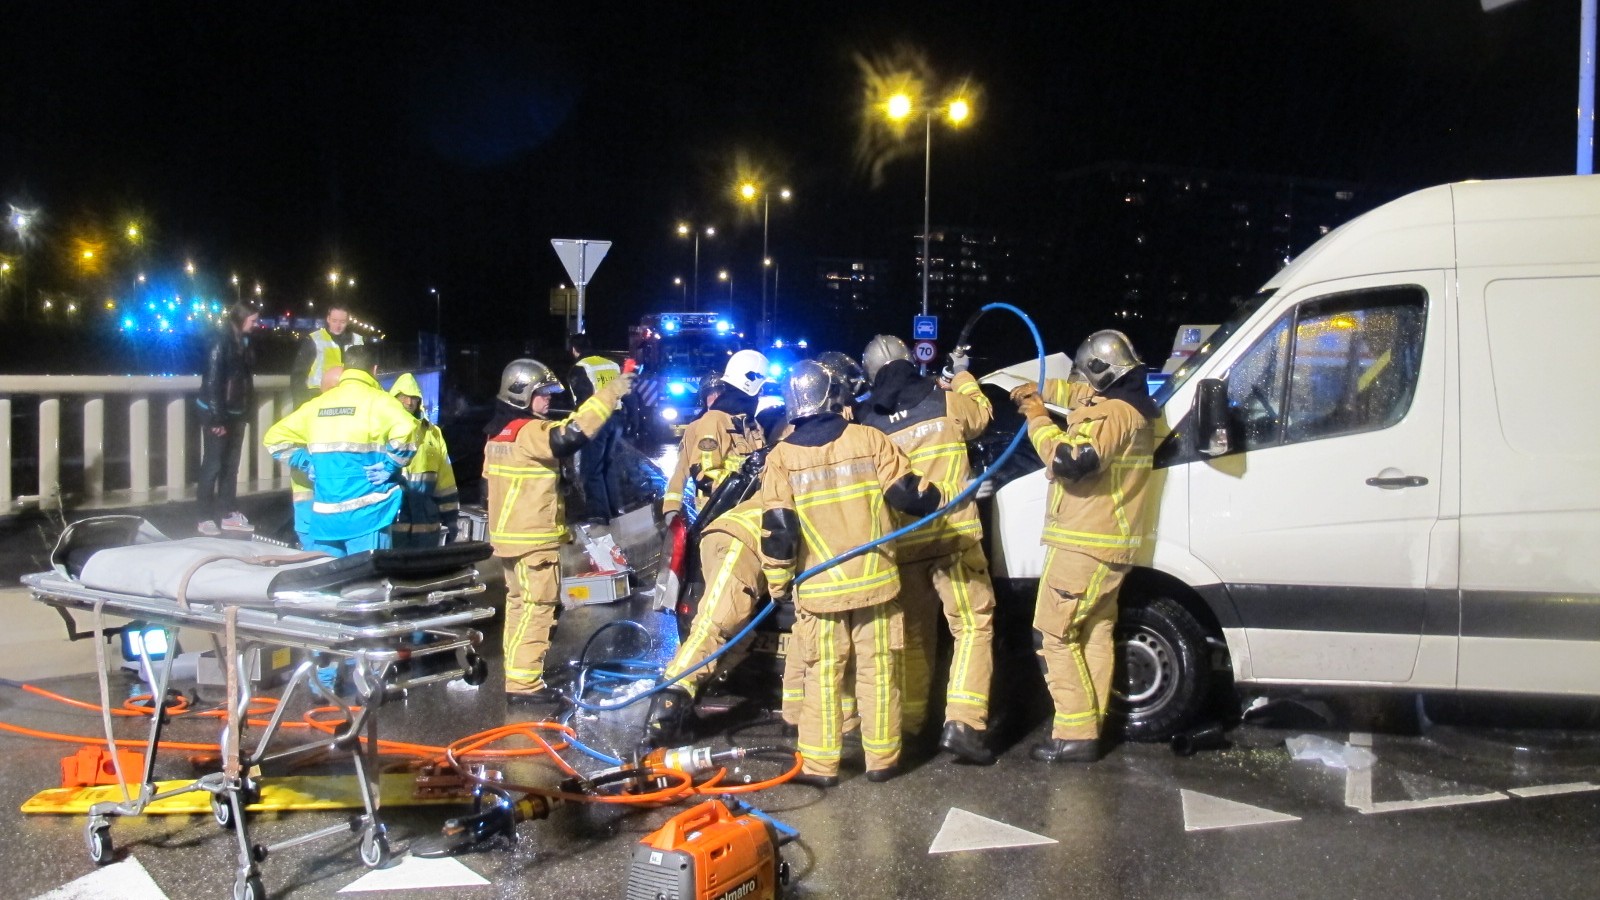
(150, 639)
(677, 388)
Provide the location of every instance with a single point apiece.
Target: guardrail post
(139, 448)
(177, 447)
(50, 452)
(8, 500)
(94, 447)
(266, 414)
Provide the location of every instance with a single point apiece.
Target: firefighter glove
(959, 360)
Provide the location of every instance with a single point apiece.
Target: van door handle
(1398, 481)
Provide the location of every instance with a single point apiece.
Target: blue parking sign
(925, 328)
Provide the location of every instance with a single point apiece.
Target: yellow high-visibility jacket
(1097, 499)
(522, 468)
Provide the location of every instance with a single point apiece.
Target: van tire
(1162, 681)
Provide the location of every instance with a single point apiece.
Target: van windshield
(1217, 339)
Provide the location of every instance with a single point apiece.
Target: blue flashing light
(722, 326)
(128, 324)
(801, 343)
(775, 370)
(777, 344)
(677, 388)
(669, 326)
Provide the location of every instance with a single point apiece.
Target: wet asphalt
(1436, 815)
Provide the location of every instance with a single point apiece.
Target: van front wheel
(1163, 672)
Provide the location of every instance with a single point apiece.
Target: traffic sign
(925, 351)
(580, 257)
(925, 328)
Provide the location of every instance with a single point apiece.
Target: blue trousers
(377, 540)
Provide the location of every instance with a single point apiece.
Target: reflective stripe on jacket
(431, 501)
(836, 490)
(352, 426)
(1101, 514)
(523, 475)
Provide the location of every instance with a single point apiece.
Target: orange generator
(708, 853)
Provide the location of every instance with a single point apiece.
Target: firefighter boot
(1056, 750)
(965, 743)
(669, 714)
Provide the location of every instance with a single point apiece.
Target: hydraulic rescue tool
(710, 852)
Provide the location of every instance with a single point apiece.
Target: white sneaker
(208, 528)
(237, 522)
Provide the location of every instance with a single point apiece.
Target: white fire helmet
(746, 371)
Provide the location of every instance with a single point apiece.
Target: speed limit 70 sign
(925, 351)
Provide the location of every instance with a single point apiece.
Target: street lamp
(437, 299)
(188, 267)
(724, 276)
(957, 111)
(236, 296)
(750, 191)
(685, 230)
(683, 288)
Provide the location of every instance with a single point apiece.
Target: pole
(766, 212)
(437, 299)
(776, 271)
(1586, 90)
(695, 306)
(927, 183)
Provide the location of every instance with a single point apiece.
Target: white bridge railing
(73, 463)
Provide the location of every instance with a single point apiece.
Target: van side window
(1340, 364)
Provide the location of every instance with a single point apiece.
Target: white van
(1384, 471)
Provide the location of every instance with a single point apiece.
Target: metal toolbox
(582, 590)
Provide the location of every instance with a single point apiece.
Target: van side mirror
(1211, 417)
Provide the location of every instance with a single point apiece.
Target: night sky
(444, 145)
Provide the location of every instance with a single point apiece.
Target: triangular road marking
(126, 880)
(1203, 812)
(1546, 790)
(969, 831)
(413, 872)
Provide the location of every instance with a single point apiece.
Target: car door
(1321, 519)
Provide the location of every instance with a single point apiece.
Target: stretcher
(394, 619)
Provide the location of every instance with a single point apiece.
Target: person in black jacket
(226, 386)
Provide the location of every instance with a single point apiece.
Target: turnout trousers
(726, 606)
(957, 583)
(870, 638)
(533, 588)
(1072, 624)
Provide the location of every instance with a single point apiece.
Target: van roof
(1527, 221)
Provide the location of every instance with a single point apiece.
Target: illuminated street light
(189, 268)
(724, 276)
(133, 232)
(683, 288)
(686, 230)
(956, 111)
(749, 191)
(437, 299)
(236, 297)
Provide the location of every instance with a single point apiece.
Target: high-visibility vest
(600, 370)
(328, 354)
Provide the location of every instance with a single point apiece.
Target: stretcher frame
(433, 628)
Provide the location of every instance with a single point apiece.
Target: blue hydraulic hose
(958, 499)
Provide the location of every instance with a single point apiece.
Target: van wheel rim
(1150, 671)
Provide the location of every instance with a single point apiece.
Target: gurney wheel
(374, 848)
(477, 670)
(222, 810)
(99, 838)
(249, 889)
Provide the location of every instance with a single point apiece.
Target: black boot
(669, 713)
(965, 743)
(810, 780)
(1056, 750)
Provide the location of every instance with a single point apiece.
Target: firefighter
(848, 382)
(351, 442)
(1098, 464)
(527, 518)
(828, 487)
(718, 442)
(323, 351)
(730, 564)
(942, 565)
(428, 515)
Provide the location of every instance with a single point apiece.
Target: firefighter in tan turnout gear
(717, 444)
(1098, 464)
(827, 488)
(942, 565)
(527, 521)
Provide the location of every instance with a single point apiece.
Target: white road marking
(1358, 789)
(963, 830)
(1203, 812)
(126, 880)
(413, 872)
(1546, 790)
